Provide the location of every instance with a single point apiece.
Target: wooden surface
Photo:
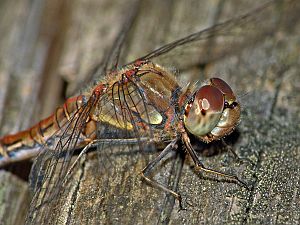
(43, 43)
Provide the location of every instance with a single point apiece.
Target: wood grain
(261, 63)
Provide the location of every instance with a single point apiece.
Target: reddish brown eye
(213, 112)
(205, 112)
(224, 88)
(210, 98)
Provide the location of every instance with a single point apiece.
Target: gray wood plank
(27, 58)
(261, 66)
(14, 198)
(123, 198)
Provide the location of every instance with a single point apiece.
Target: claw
(243, 184)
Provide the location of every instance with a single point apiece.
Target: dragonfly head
(213, 112)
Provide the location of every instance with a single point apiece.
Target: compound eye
(224, 88)
(205, 112)
(210, 99)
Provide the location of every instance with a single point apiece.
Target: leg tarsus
(180, 203)
(170, 147)
(235, 155)
(232, 177)
(199, 166)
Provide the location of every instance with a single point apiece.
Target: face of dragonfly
(213, 112)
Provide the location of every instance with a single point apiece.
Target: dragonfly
(141, 103)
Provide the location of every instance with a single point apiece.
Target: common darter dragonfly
(145, 103)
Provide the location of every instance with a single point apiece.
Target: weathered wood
(265, 74)
(28, 55)
(14, 198)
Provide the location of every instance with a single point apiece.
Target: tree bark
(83, 39)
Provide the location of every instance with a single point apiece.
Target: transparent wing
(219, 40)
(52, 164)
(123, 114)
(123, 118)
(111, 60)
(129, 112)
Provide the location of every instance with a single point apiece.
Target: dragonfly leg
(236, 157)
(144, 173)
(200, 167)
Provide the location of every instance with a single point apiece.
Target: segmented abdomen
(26, 144)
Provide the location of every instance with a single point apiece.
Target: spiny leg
(200, 167)
(236, 157)
(144, 173)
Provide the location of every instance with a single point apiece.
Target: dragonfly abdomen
(27, 144)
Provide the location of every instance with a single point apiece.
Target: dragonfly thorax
(213, 112)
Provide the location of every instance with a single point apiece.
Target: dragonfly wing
(124, 123)
(124, 107)
(221, 39)
(52, 164)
